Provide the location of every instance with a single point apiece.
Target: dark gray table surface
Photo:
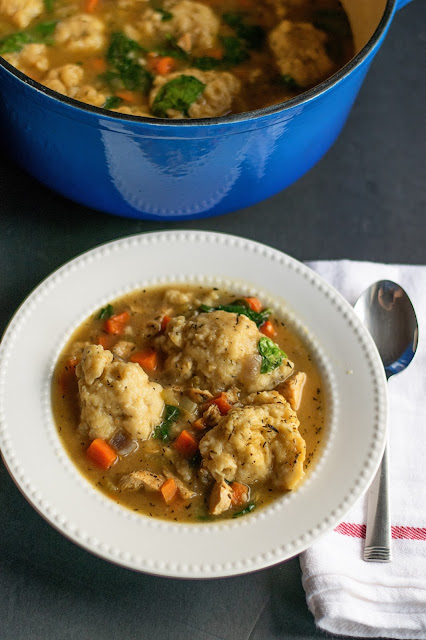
(364, 200)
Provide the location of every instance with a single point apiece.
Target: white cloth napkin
(347, 595)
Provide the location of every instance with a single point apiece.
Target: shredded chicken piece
(212, 416)
(199, 395)
(220, 498)
(142, 480)
(292, 389)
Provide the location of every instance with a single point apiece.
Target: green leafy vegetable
(206, 63)
(253, 35)
(172, 49)
(178, 94)
(272, 355)
(162, 431)
(107, 311)
(122, 57)
(234, 49)
(259, 317)
(15, 42)
(48, 5)
(248, 509)
(333, 21)
(165, 15)
(289, 81)
(204, 518)
(112, 102)
(196, 460)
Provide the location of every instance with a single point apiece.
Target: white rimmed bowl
(351, 368)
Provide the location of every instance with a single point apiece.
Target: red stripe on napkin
(358, 531)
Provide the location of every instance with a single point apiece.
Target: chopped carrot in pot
(67, 378)
(98, 64)
(106, 341)
(147, 359)
(240, 493)
(217, 53)
(254, 304)
(164, 322)
(101, 453)
(268, 329)
(116, 324)
(165, 65)
(90, 5)
(169, 490)
(126, 95)
(199, 424)
(222, 403)
(186, 444)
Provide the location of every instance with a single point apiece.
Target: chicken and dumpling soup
(189, 403)
(176, 58)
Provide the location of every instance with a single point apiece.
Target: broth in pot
(176, 58)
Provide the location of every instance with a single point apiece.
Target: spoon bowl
(387, 312)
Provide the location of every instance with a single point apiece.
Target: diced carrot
(164, 322)
(72, 363)
(199, 424)
(147, 359)
(186, 444)
(268, 329)
(67, 377)
(106, 341)
(90, 5)
(116, 324)
(222, 403)
(215, 53)
(151, 60)
(101, 453)
(254, 304)
(164, 65)
(169, 490)
(240, 493)
(98, 64)
(126, 95)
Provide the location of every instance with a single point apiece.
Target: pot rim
(247, 116)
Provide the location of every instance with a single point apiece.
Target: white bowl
(350, 364)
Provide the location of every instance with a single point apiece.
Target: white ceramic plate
(38, 463)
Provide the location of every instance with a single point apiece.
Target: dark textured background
(364, 200)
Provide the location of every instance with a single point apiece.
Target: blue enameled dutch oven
(162, 169)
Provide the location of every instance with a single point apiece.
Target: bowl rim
(248, 116)
(126, 554)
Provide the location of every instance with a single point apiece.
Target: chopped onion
(123, 444)
(187, 405)
(170, 397)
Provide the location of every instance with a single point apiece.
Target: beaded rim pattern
(208, 567)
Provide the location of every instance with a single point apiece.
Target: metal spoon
(388, 314)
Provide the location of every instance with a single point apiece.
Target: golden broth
(146, 309)
(240, 47)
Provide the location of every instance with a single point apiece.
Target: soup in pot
(188, 403)
(176, 58)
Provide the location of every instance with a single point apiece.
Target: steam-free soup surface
(189, 403)
(176, 58)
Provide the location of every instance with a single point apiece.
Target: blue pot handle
(401, 3)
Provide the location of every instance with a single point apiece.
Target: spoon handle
(377, 546)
